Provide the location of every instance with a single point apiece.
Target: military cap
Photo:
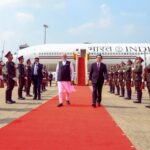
(140, 58)
(28, 60)
(21, 57)
(123, 63)
(7, 54)
(130, 61)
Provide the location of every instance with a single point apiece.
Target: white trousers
(64, 88)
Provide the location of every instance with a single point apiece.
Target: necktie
(98, 66)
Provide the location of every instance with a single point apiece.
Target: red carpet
(81, 71)
(75, 127)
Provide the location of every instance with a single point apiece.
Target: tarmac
(133, 119)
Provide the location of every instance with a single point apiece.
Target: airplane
(113, 53)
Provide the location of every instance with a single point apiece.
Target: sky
(73, 21)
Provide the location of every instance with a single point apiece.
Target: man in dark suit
(37, 77)
(98, 75)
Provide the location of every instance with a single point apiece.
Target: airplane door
(83, 53)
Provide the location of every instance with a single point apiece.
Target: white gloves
(15, 79)
(1, 77)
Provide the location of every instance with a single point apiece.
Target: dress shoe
(94, 105)
(127, 98)
(29, 95)
(138, 102)
(147, 106)
(13, 101)
(68, 102)
(34, 98)
(121, 96)
(9, 102)
(39, 98)
(60, 105)
(21, 98)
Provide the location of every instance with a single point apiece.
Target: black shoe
(29, 95)
(39, 98)
(9, 102)
(127, 98)
(94, 105)
(13, 101)
(68, 102)
(60, 105)
(34, 98)
(21, 98)
(147, 106)
(138, 102)
(121, 96)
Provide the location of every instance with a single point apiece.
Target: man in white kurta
(64, 78)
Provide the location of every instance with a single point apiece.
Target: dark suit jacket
(98, 75)
(39, 71)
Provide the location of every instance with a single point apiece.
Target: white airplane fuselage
(50, 54)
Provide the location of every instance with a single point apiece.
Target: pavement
(133, 119)
(10, 112)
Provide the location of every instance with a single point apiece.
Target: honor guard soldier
(116, 79)
(29, 78)
(1, 74)
(121, 79)
(147, 79)
(10, 77)
(128, 75)
(138, 79)
(50, 78)
(21, 77)
(111, 80)
(45, 78)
